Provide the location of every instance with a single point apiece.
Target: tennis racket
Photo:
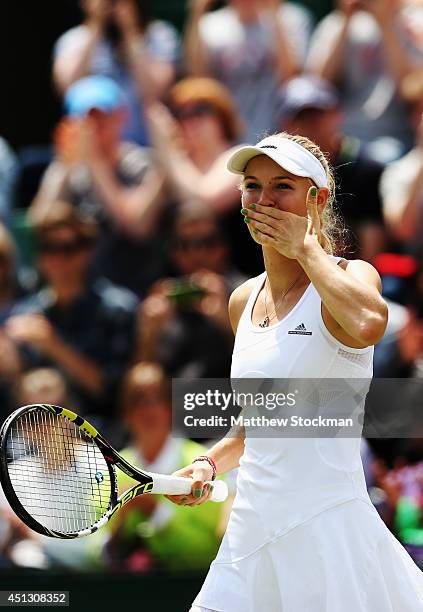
(58, 473)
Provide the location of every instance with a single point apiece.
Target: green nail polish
(313, 192)
(246, 219)
(253, 206)
(244, 211)
(197, 493)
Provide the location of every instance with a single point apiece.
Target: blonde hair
(333, 231)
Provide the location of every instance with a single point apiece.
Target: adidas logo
(301, 330)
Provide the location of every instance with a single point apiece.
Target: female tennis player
(303, 535)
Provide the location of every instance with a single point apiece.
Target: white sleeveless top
(283, 482)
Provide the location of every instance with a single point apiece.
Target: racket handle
(177, 485)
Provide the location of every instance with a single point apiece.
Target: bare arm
(403, 214)
(195, 52)
(216, 188)
(227, 452)
(153, 76)
(83, 370)
(52, 188)
(135, 209)
(401, 193)
(327, 61)
(386, 13)
(36, 331)
(286, 62)
(352, 297)
(69, 66)
(154, 313)
(399, 62)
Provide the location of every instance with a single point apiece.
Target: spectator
(11, 290)
(400, 353)
(108, 178)
(402, 181)
(198, 242)
(193, 152)
(85, 329)
(119, 39)
(42, 386)
(9, 171)
(151, 532)
(251, 46)
(403, 333)
(367, 48)
(311, 107)
(23, 546)
(407, 483)
(184, 321)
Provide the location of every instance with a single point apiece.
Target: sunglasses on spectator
(201, 109)
(208, 241)
(70, 247)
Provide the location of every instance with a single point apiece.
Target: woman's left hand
(286, 232)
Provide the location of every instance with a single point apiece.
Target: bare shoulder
(238, 300)
(365, 273)
(362, 270)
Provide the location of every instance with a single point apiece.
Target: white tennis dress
(303, 535)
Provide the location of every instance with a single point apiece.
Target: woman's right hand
(199, 472)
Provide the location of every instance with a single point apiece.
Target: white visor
(288, 154)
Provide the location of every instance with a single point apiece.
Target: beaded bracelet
(210, 461)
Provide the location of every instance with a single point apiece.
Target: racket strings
(57, 472)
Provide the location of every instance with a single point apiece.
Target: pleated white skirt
(342, 560)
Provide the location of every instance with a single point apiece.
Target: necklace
(271, 316)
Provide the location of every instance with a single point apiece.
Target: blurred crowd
(117, 262)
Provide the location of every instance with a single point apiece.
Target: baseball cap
(91, 92)
(304, 92)
(288, 154)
